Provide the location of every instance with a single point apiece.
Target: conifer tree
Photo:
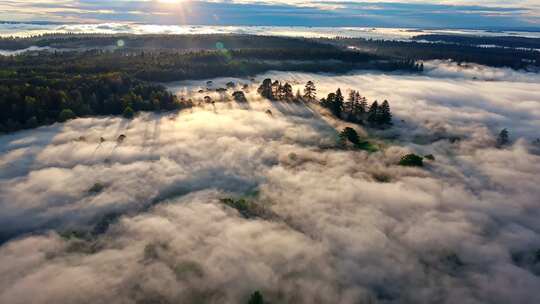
(337, 107)
(384, 115)
(276, 90)
(287, 91)
(363, 105)
(310, 92)
(328, 101)
(373, 113)
(349, 107)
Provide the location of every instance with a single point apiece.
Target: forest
(519, 59)
(101, 76)
(504, 41)
(38, 88)
(41, 100)
(161, 42)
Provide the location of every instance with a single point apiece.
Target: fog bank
(339, 225)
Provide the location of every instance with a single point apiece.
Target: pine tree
(328, 101)
(363, 105)
(337, 107)
(280, 92)
(287, 92)
(359, 107)
(349, 107)
(334, 102)
(373, 113)
(310, 92)
(384, 114)
(276, 90)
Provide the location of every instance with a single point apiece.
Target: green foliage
(373, 112)
(334, 102)
(66, 115)
(276, 91)
(31, 101)
(356, 110)
(310, 91)
(128, 113)
(241, 205)
(367, 146)
(410, 52)
(384, 117)
(350, 135)
(473, 40)
(411, 160)
(246, 208)
(430, 157)
(265, 89)
(256, 298)
(35, 89)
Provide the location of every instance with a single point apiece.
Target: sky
(390, 13)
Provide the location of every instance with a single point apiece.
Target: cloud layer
(404, 34)
(463, 229)
(402, 13)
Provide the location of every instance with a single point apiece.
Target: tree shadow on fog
(41, 138)
(299, 112)
(243, 105)
(215, 179)
(91, 226)
(294, 109)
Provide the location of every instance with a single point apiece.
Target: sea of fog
(341, 225)
(26, 29)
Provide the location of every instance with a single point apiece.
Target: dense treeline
(504, 41)
(162, 42)
(38, 100)
(457, 48)
(173, 66)
(38, 88)
(490, 56)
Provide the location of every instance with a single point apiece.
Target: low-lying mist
(109, 210)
